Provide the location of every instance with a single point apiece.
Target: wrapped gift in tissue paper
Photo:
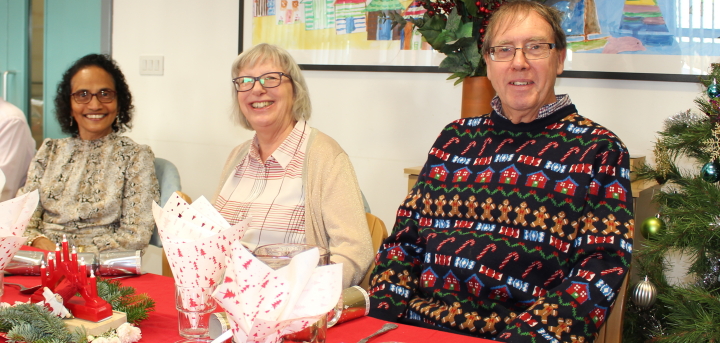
(264, 304)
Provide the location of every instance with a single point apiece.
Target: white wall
(385, 121)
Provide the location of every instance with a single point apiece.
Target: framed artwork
(655, 40)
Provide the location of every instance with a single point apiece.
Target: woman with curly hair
(96, 187)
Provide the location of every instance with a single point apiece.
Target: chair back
(378, 233)
(169, 179)
(612, 329)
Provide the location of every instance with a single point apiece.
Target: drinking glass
(195, 305)
(279, 255)
(2, 284)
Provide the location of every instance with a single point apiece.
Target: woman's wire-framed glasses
(532, 51)
(267, 80)
(84, 96)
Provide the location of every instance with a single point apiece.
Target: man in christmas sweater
(520, 225)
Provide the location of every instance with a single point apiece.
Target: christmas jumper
(519, 232)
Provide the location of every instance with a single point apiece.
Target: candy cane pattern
(587, 151)
(430, 236)
(594, 255)
(554, 276)
(619, 271)
(472, 144)
(604, 157)
(487, 140)
(620, 157)
(406, 229)
(551, 144)
(451, 141)
(572, 150)
(513, 255)
(490, 246)
(535, 264)
(506, 140)
(470, 242)
(451, 239)
(532, 141)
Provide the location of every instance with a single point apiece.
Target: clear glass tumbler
(2, 284)
(195, 305)
(279, 255)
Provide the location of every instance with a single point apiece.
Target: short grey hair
(261, 53)
(513, 11)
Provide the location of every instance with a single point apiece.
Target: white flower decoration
(128, 333)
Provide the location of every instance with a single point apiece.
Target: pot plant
(455, 28)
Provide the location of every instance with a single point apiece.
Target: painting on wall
(664, 40)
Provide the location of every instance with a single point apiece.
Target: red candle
(65, 249)
(43, 275)
(93, 284)
(83, 271)
(74, 260)
(58, 256)
(51, 263)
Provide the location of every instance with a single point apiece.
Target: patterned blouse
(99, 193)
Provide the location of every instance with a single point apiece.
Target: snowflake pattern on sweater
(519, 232)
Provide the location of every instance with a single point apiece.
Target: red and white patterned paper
(14, 217)
(196, 240)
(265, 304)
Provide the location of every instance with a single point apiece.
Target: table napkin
(265, 304)
(196, 240)
(14, 217)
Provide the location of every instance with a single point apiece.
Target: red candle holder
(66, 277)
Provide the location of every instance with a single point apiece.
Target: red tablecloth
(161, 326)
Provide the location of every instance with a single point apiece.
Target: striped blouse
(271, 193)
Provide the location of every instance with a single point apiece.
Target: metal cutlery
(385, 328)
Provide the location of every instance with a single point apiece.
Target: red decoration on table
(66, 277)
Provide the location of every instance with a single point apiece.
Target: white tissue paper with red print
(265, 304)
(196, 240)
(15, 215)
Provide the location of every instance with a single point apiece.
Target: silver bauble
(644, 294)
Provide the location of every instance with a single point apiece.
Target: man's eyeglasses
(84, 96)
(267, 80)
(532, 51)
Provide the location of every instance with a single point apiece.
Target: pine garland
(124, 299)
(689, 207)
(35, 324)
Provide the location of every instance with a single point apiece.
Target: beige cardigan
(334, 212)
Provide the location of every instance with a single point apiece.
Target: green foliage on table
(35, 324)
(688, 205)
(124, 299)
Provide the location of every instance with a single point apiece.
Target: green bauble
(713, 90)
(651, 227)
(644, 294)
(710, 172)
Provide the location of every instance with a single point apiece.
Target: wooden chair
(611, 331)
(378, 232)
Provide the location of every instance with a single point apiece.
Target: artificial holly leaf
(454, 22)
(470, 6)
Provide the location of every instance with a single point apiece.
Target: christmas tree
(687, 165)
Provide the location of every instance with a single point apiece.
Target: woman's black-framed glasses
(532, 51)
(267, 80)
(84, 96)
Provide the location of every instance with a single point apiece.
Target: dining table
(162, 322)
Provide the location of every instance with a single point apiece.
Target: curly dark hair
(63, 108)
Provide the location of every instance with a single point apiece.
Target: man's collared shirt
(562, 100)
